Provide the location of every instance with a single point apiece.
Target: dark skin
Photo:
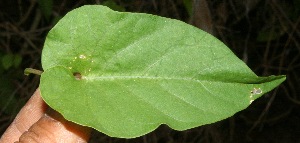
(37, 123)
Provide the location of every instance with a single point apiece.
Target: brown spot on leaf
(77, 75)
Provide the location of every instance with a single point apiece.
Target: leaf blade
(139, 71)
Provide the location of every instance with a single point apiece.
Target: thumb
(53, 128)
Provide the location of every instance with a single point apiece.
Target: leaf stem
(28, 71)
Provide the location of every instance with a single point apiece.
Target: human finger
(53, 128)
(32, 111)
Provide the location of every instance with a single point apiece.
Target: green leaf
(46, 7)
(113, 5)
(125, 74)
(17, 61)
(7, 61)
(188, 4)
(10, 60)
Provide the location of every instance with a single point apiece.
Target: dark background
(265, 34)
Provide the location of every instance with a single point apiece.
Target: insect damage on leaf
(254, 91)
(82, 56)
(77, 75)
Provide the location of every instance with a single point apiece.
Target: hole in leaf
(256, 91)
(77, 75)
